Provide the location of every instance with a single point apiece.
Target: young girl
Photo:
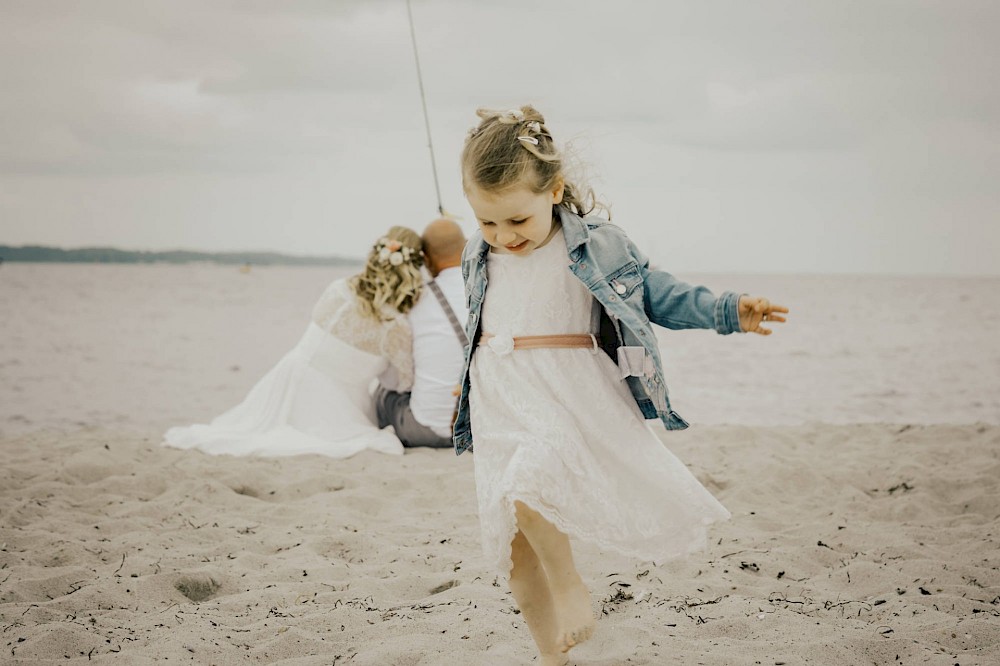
(562, 371)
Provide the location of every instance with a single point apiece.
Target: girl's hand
(754, 310)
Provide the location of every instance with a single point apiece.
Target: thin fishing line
(423, 101)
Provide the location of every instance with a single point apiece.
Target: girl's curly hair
(510, 147)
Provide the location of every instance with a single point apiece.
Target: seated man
(423, 416)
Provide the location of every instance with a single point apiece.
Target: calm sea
(144, 347)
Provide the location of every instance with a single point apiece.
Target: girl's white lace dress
(558, 430)
(316, 399)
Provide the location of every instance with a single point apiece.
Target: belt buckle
(595, 348)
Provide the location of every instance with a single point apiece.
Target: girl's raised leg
(570, 596)
(530, 588)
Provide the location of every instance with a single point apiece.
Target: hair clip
(528, 139)
(516, 114)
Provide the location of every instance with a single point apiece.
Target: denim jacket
(632, 296)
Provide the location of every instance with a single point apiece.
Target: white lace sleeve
(398, 350)
(331, 306)
(338, 312)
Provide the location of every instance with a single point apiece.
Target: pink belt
(565, 341)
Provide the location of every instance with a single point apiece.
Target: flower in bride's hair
(534, 126)
(396, 258)
(516, 114)
(383, 255)
(394, 245)
(501, 344)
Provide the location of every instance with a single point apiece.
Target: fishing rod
(423, 101)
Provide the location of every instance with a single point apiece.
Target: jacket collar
(574, 228)
(575, 233)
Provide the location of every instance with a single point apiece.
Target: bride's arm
(331, 304)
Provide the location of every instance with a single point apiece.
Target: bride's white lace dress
(316, 399)
(558, 430)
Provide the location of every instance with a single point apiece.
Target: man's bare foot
(576, 620)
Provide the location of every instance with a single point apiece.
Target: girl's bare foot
(576, 620)
(530, 588)
(571, 620)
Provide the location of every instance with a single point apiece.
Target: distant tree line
(110, 255)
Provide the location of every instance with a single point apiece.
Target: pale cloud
(296, 125)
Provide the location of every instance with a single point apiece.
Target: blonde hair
(389, 280)
(512, 147)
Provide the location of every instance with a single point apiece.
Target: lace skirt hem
(680, 543)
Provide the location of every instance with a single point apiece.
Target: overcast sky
(769, 136)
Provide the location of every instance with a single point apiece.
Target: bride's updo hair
(391, 276)
(515, 147)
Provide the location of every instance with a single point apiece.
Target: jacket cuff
(727, 313)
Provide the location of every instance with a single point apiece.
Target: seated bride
(316, 399)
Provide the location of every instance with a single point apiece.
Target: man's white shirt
(438, 356)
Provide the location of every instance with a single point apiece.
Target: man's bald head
(443, 244)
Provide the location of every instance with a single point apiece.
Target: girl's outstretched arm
(675, 304)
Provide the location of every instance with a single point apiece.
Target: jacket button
(620, 289)
(583, 265)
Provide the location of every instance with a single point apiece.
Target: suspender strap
(459, 331)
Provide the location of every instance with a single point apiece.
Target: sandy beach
(858, 451)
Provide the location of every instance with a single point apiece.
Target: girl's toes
(573, 638)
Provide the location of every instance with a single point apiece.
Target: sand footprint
(197, 588)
